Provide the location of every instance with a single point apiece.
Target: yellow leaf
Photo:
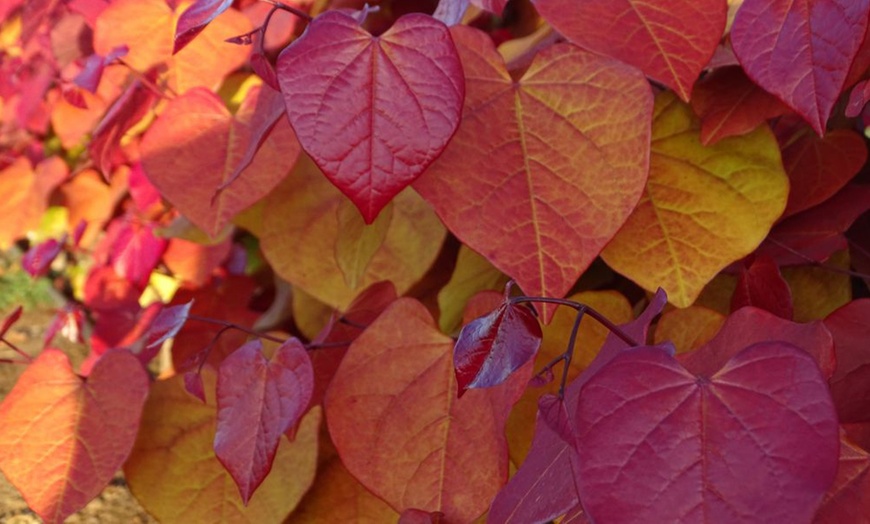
(301, 228)
(688, 328)
(817, 291)
(472, 273)
(357, 241)
(703, 208)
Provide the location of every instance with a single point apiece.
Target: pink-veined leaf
(64, 437)
(492, 347)
(373, 112)
(800, 51)
(258, 400)
(760, 284)
(544, 486)
(850, 383)
(669, 40)
(755, 442)
(194, 19)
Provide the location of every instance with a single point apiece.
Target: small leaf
(373, 112)
(10, 320)
(492, 347)
(761, 285)
(194, 19)
(54, 427)
(258, 400)
(37, 261)
(168, 323)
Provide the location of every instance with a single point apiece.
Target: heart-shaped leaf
(89, 425)
(373, 112)
(523, 180)
(756, 442)
(800, 51)
(194, 19)
(258, 400)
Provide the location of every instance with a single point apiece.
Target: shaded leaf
(492, 347)
(179, 429)
(258, 400)
(757, 441)
(850, 383)
(299, 227)
(471, 274)
(761, 285)
(37, 261)
(688, 329)
(730, 104)
(848, 499)
(50, 408)
(704, 207)
(444, 454)
(669, 41)
(818, 291)
(398, 107)
(196, 143)
(358, 243)
(534, 158)
(800, 51)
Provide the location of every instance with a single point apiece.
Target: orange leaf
(174, 473)
(25, 193)
(425, 448)
(301, 225)
(194, 146)
(524, 179)
(64, 437)
(704, 207)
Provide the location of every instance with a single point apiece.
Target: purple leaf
(195, 18)
(167, 324)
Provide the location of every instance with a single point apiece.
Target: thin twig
(816, 263)
(601, 319)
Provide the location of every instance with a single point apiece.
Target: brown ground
(115, 504)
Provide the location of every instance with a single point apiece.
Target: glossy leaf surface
(369, 144)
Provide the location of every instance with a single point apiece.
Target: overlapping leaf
(195, 18)
(373, 112)
(525, 180)
(426, 449)
(688, 328)
(174, 473)
(850, 384)
(545, 485)
(848, 499)
(760, 284)
(670, 41)
(259, 399)
(704, 207)
(195, 145)
(51, 408)
(758, 439)
(492, 347)
(300, 232)
(800, 51)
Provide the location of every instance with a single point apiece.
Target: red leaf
(128, 109)
(848, 499)
(258, 400)
(817, 232)
(756, 442)
(38, 259)
(373, 112)
(10, 320)
(800, 51)
(669, 41)
(761, 285)
(197, 146)
(492, 347)
(858, 98)
(850, 383)
(819, 167)
(730, 104)
(64, 437)
(92, 70)
(533, 159)
(749, 326)
(166, 325)
(442, 453)
(544, 486)
(135, 250)
(194, 19)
